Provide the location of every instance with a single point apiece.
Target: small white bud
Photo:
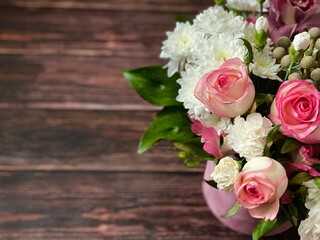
(301, 41)
(262, 24)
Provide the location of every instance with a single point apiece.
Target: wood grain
(97, 205)
(70, 126)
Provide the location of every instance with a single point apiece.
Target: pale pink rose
(307, 155)
(296, 109)
(287, 17)
(227, 91)
(211, 139)
(259, 187)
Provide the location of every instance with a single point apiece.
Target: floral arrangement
(241, 88)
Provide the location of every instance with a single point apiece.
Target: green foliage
(212, 183)
(172, 123)
(299, 178)
(289, 145)
(191, 151)
(233, 210)
(264, 227)
(249, 56)
(153, 85)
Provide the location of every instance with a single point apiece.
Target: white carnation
(309, 229)
(248, 137)
(313, 197)
(225, 173)
(179, 46)
(247, 5)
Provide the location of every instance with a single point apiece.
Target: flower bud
(301, 41)
(317, 44)
(307, 62)
(284, 42)
(295, 75)
(262, 24)
(285, 61)
(315, 75)
(279, 52)
(314, 32)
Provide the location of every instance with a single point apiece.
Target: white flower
(225, 173)
(216, 20)
(188, 81)
(214, 51)
(247, 5)
(313, 197)
(262, 24)
(179, 46)
(248, 137)
(309, 229)
(264, 66)
(301, 41)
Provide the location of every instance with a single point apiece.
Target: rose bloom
(296, 109)
(309, 229)
(287, 17)
(227, 91)
(259, 187)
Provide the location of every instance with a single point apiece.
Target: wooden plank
(83, 33)
(91, 205)
(127, 5)
(57, 82)
(81, 140)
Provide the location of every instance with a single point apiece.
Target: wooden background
(70, 125)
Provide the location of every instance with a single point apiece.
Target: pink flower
(211, 140)
(259, 187)
(292, 16)
(307, 155)
(227, 91)
(296, 109)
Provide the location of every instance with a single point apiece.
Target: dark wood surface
(70, 125)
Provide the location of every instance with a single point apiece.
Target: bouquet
(241, 88)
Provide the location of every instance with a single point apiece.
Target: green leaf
(182, 19)
(299, 178)
(264, 227)
(233, 210)
(249, 56)
(317, 181)
(153, 85)
(172, 123)
(289, 145)
(212, 183)
(272, 133)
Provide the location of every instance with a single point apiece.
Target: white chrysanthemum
(225, 173)
(188, 82)
(179, 46)
(247, 5)
(219, 48)
(313, 197)
(216, 20)
(264, 66)
(309, 229)
(248, 137)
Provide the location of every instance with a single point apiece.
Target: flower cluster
(248, 76)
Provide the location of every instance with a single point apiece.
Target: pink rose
(296, 109)
(259, 187)
(227, 91)
(211, 139)
(292, 16)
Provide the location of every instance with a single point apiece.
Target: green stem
(288, 71)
